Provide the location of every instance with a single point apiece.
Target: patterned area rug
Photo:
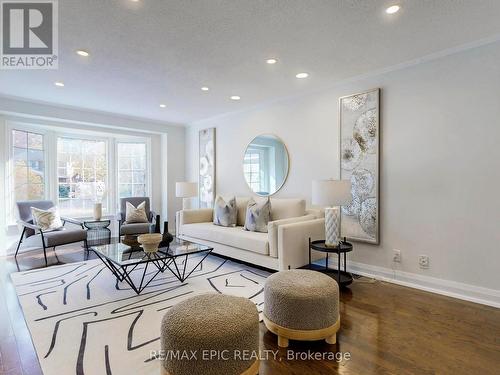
(83, 321)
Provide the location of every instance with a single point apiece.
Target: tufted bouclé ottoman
(302, 305)
(211, 334)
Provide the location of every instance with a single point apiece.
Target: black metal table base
(177, 272)
(345, 277)
(151, 260)
(341, 276)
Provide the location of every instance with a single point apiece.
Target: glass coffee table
(123, 259)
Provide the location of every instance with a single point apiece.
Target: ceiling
(163, 51)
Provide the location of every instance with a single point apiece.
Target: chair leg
(44, 248)
(18, 246)
(45, 255)
(20, 241)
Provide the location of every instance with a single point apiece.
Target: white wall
(440, 163)
(163, 196)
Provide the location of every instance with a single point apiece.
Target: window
(28, 165)
(251, 168)
(132, 170)
(80, 169)
(82, 174)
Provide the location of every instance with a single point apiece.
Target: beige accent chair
(283, 247)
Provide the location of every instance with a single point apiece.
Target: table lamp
(186, 190)
(331, 194)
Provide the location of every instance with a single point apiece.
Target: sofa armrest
(293, 242)
(72, 221)
(272, 231)
(317, 212)
(29, 225)
(201, 215)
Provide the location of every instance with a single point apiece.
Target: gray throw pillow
(258, 215)
(225, 212)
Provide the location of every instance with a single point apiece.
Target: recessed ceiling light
(205, 88)
(235, 97)
(82, 52)
(163, 105)
(302, 75)
(59, 84)
(271, 61)
(393, 9)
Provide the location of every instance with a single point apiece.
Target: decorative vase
(97, 211)
(157, 225)
(332, 226)
(167, 237)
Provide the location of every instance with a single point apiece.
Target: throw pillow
(47, 219)
(258, 215)
(136, 214)
(225, 213)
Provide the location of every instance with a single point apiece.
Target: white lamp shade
(186, 189)
(331, 193)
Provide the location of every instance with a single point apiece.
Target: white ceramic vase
(332, 226)
(97, 211)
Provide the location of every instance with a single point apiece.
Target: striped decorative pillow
(136, 214)
(47, 219)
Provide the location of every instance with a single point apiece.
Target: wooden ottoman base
(252, 370)
(284, 334)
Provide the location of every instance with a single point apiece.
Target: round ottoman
(301, 305)
(211, 334)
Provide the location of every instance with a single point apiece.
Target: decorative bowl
(150, 241)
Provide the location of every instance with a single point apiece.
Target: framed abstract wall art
(359, 123)
(207, 168)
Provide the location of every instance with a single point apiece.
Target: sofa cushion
(282, 208)
(241, 204)
(57, 238)
(230, 236)
(136, 228)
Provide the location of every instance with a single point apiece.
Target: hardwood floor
(385, 329)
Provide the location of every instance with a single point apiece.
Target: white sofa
(284, 246)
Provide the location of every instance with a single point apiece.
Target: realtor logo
(29, 34)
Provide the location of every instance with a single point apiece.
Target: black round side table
(342, 277)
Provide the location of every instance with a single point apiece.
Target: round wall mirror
(265, 164)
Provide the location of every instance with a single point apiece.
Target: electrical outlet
(396, 256)
(423, 261)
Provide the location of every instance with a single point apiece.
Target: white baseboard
(467, 292)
